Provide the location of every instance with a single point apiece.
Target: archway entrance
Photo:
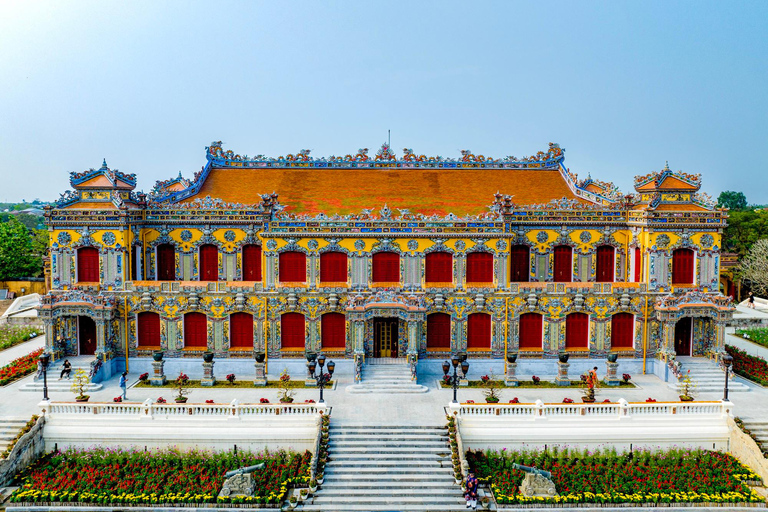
(86, 335)
(385, 337)
(683, 333)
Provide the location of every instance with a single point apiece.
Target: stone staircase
(387, 378)
(54, 370)
(9, 428)
(388, 468)
(758, 428)
(708, 377)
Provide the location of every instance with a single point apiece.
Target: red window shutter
(333, 267)
(386, 267)
(149, 329)
(439, 331)
(577, 331)
(195, 330)
(292, 331)
(531, 333)
(439, 267)
(88, 265)
(251, 262)
(333, 331)
(682, 266)
(604, 269)
(479, 267)
(166, 262)
(479, 331)
(519, 264)
(638, 265)
(622, 331)
(293, 267)
(209, 263)
(240, 330)
(563, 265)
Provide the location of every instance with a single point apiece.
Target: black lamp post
(727, 362)
(456, 361)
(45, 358)
(321, 378)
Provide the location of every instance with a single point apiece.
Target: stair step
(375, 500)
(383, 507)
(351, 491)
(386, 465)
(386, 472)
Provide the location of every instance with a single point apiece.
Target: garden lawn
(750, 367)
(758, 335)
(19, 368)
(673, 476)
(13, 335)
(117, 476)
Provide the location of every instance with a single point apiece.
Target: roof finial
(666, 165)
(180, 175)
(104, 164)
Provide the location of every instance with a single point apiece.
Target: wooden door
(563, 264)
(385, 337)
(86, 334)
(683, 337)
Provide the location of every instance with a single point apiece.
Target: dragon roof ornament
(658, 177)
(385, 157)
(269, 202)
(161, 187)
(99, 300)
(78, 178)
(694, 298)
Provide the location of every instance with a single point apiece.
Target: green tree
(732, 200)
(20, 256)
(753, 268)
(744, 229)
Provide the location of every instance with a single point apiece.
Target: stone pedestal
(612, 374)
(261, 376)
(158, 377)
(509, 375)
(208, 378)
(309, 380)
(562, 374)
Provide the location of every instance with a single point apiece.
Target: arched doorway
(683, 332)
(86, 335)
(385, 331)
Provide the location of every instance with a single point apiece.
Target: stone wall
(746, 450)
(26, 450)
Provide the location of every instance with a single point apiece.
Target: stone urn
(158, 356)
(511, 357)
(311, 356)
(208, 357)
(612, 357)
(563, 357)
(260, 357)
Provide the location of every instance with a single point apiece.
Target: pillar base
(260, 379)
(509, 375)
(158, 377)
(611, 375)
(208, 379)
(562, 378)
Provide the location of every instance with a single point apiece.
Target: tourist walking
(471, 490)
(39, 370)
(123, 384)
(751, 300)
(66, 369)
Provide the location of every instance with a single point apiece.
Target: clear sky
(622, 86)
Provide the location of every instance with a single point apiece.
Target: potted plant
(485, 501)
(492, 391)
(320, 478)
(687, 387)
(158, 355)
(511, 357)
(182, 388)
(231, 379)
(293, 501)
(590, 383)
(285, 394)
(161, 400)
(313, 485)
(80, 384)
(143, 377)
(303, 493)
(208, 357)
(626, 378)
(260, 356)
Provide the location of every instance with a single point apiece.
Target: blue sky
(622, 86)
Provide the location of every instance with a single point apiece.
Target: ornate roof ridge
(659, 176)
(78, 178)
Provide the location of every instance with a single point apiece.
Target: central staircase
(9, 429)
(65, 384)
(707, 377)
(387, 468)
(387, 378)
(759, 429)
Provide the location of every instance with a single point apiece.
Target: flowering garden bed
(640, 477)
(13, 335)
(19, 368)
(750, 367)
(103, 476)
(758, 335)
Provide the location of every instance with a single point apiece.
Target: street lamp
(727, 362)
(45, 358)
(321, 378)
(454, 379)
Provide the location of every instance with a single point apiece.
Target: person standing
(751, 300)
(123, 384)
(471, 493)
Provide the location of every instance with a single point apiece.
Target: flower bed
(19, 368)
(758, 335)
(225, 384)
(13, 335)
(158, 477)
(751, 367)
(526, 384)
(642, 477)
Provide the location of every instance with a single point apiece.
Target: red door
(88, 265)
(333, 331)
(251, 262)
(531, 333)
(605, 264)
(293, 267)
(149, 330)
(577, 331)
(563, 264)
(439, 267)
(292, 331)
(166, 262)
(333, 267)
(479, 331)
(241, 331)
(519, 268)
(86, 331)
(682, 266)
(386, 267)
(683, 337)
(195, 331)
(622, 331)
(638, 265)
(439, 331)
(479, 267)
(209, 263)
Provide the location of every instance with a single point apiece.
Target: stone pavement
(22, 349)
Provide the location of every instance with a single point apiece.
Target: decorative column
(413, 347)
(158, 377)
(50, 335)
(101, 328)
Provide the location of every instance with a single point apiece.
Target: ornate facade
(382, 255)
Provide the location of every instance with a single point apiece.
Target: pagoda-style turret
(671, 190)
(101, 188)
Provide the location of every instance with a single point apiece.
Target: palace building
(362, 256)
